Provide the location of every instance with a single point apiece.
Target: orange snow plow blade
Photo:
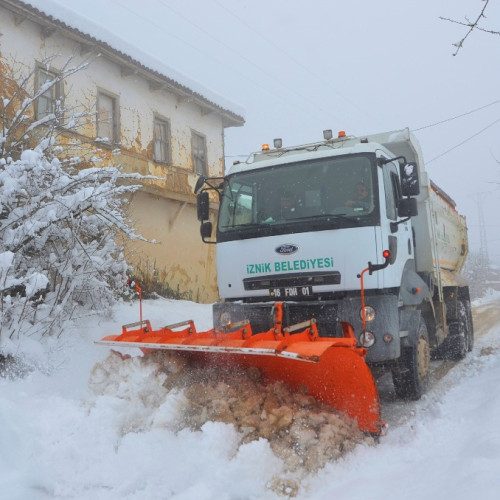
(332, 369)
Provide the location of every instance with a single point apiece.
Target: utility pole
(482, 272)
(483, 241)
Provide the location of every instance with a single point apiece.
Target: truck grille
(261, 316)
(294, 279)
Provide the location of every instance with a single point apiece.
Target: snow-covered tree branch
(58, 220)
(471, 25)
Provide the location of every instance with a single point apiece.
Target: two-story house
(143, 116)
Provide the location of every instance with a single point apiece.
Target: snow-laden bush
(57, 241)
(58, 220)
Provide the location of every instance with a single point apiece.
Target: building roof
(158, 74)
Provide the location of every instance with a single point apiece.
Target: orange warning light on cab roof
(265, 147)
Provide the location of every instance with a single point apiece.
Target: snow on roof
(83, 29)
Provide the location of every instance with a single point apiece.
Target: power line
(458, 116)
(463, 142)
(305, 99)
(287, 54)
(192, 46)
(318, 106)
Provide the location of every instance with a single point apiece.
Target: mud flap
(409, 320)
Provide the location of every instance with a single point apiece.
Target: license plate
(290, 292)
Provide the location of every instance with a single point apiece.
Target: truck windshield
(328, 192)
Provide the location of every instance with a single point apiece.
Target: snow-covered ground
(61, 438)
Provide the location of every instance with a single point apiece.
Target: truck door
(396, 237)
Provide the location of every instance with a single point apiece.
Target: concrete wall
(171, 227)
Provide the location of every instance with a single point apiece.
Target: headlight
(225, 319)
(367, 339)
(369, 313)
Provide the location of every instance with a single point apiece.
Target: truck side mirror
(199, 183)
(410, 185)
(206, 231)
(407, 207)
(202, 206)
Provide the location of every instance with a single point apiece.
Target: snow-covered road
(447, 445)
(60, 440)
(486, 316)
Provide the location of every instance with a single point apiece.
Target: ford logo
(286, 249)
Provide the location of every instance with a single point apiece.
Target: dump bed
(450, 231)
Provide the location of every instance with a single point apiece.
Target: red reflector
(386, 254)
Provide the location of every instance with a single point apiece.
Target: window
(199, 153)
(392, 191)
(161, 145)
(292, 197)
(396, 188)
(47, 101)
(107, 118)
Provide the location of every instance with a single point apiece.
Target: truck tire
(411, 376)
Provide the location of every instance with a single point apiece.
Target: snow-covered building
(144, 116)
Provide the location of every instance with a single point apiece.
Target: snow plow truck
(337, 261)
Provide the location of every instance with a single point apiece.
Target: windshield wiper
(345, 217)
(312, 218)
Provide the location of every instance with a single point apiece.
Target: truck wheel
(411, 376)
